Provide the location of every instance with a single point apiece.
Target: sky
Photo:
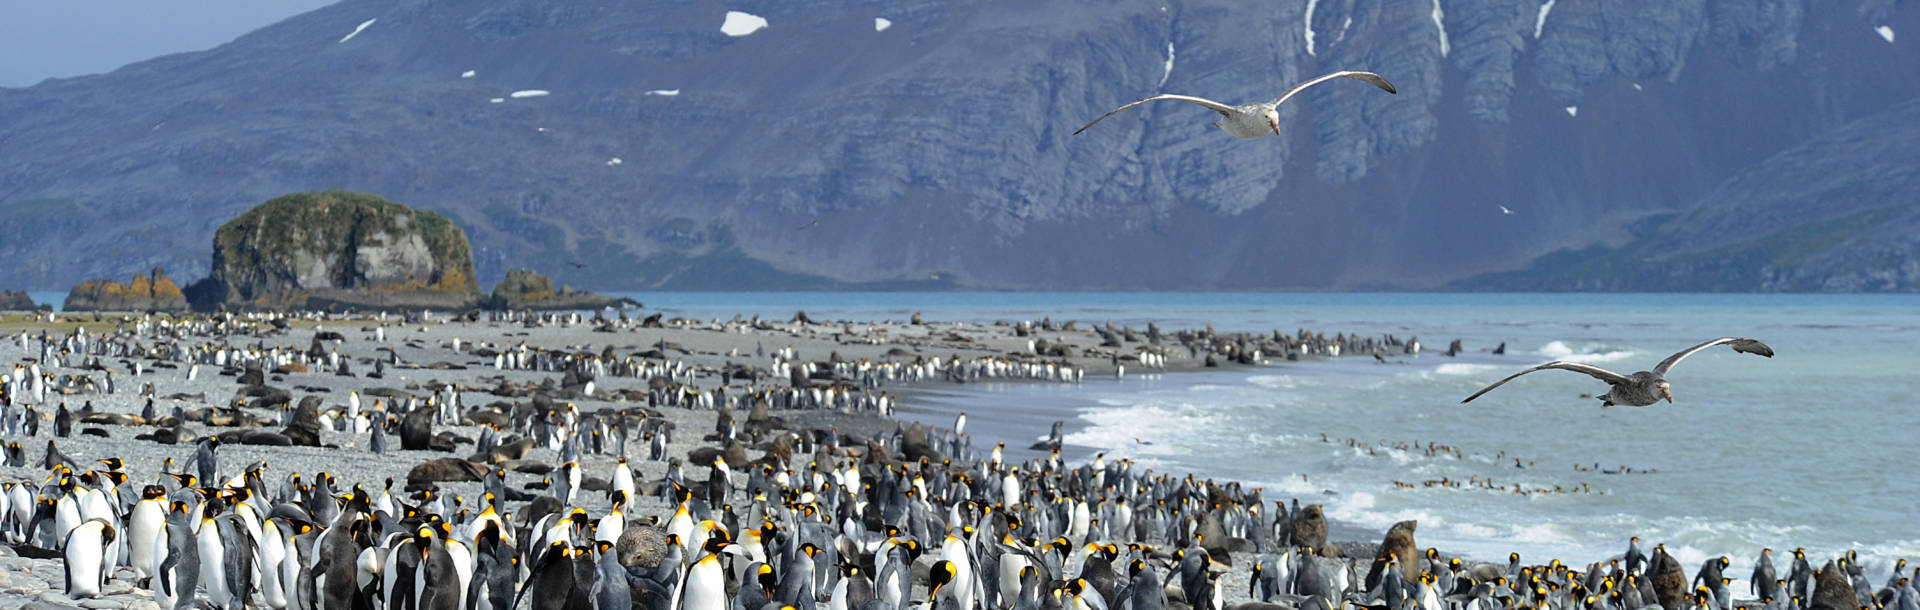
(41, 39)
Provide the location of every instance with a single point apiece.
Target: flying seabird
(1642, 388)
(1252, 120)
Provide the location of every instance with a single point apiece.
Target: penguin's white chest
(706, 587)
(213, 564)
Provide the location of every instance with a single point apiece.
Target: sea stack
(147, 292)
(16, 300)
(523, 289)
(338, 248)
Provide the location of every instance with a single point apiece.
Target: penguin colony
(819, 520)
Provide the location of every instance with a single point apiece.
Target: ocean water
(1812, 448)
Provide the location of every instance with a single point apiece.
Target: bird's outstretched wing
(1740, 344)
(1223, 109)
(1596, 372)
(1367, 77)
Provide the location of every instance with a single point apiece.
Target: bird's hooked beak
(1273, 120)
(1667, 394)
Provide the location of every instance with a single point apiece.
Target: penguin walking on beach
(1761, 584)
(205, 458)
(89, 558)
(567, 484)
(178, 575)
(377, 440)
(146, 528)
(226, 552)
(1635, 558)
(1800, 578)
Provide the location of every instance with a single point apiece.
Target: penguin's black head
(766, 579)
(717, 541)
(1137, 566)
(152, 492)
(943, 572)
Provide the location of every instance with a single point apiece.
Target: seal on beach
(1256, 119)
(1398, 547)
(1642, 388)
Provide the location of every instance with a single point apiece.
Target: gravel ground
(425, 349)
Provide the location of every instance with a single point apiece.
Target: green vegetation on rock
(340, 247)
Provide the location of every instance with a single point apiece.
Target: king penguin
(704, 585)
(178, 556)
(87, 561)
(144, 529)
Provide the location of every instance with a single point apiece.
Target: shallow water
(1811, 448)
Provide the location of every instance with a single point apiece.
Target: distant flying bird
(815, 223)
(577, 265)
(1504, 210)
(1252, 120)
(1642, 388)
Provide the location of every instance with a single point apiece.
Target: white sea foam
(356, 31)
(1461, 368)
(880, 24)
(1437, 26)
(1885, 32)
(664, 92)
(740, 23)
(1282, 382)
(467, 74)
(529, 93)
(1573, 111)
(1559, 350)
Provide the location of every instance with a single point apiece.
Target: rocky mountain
(852, 143)
(1836, 214)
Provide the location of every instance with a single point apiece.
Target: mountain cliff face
(650, 148)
